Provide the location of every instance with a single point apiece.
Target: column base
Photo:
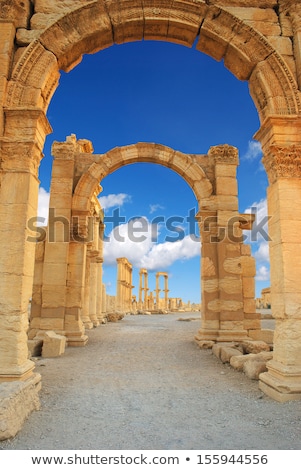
(282, 383)
(18, 400)
(221, 335)
(76, 340)
(17, 373)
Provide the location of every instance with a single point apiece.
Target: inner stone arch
(228, 308)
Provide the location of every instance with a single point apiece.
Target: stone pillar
(93, 289)
(36, 300)
(157, 291)
(124, 285)
(74, 327)
(166, 290)
(281, 141)
(104, 300)
(221, 234)
(20, 155)
(86, 310)
(143, 289)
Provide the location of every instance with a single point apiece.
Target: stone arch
(28, 89)
(98, 25)
(183, 164)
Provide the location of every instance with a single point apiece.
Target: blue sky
(165, 93)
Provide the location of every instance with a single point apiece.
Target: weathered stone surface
(267, 336)
(205, 344)
(53, 345)
(237, 362)
(256, 365)
(255, 347)
(226, 353)
(17, 401)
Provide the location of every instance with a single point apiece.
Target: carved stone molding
(224, 154)
(283, 162)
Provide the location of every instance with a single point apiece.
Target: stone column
(104, 300)
(166, 290)
(143, 289)
(157, 291)
(221, 234)
(281, 141)
(74, 327)
(20, 155)
(86, 310)
(119, 287)
(93, 289)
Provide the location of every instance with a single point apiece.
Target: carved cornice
(283, 162)
(224, 154)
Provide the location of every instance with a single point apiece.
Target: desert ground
(143, 383)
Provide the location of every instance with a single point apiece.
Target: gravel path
(144, 384)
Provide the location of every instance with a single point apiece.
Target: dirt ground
(143, 383)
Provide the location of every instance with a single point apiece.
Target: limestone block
(53, 345)
(254, 367)
(248, 286)
(254, 14)
(262, 335)
(217, 348)
(245, 250)
(231, 285)
(253, 325)
(17, 401)
(232, 265)
(226, 185)
(224, 170)
(35, 347)
(203, 344)
(249, 306)
(248, 266)
(226, 353)
(254, 346)
(237, 362)
(208, 268)
(210, 285)
(282, 44)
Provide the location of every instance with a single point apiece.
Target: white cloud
(165, 254)
(114, 200)
(262, 255)
(140, 249)
(154, 207)
(263, 274)
(43, 206)
(253, 152)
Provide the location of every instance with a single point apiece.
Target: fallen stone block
(205, 344)
(237, 362)
(254, 347)
(253, 367)
(226, 353)
(53, 345)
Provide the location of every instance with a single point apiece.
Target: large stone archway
(255, 43)
(228, 270)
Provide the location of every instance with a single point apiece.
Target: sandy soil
(144, 384)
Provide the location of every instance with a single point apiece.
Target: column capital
(282, 161)
(224, 154)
